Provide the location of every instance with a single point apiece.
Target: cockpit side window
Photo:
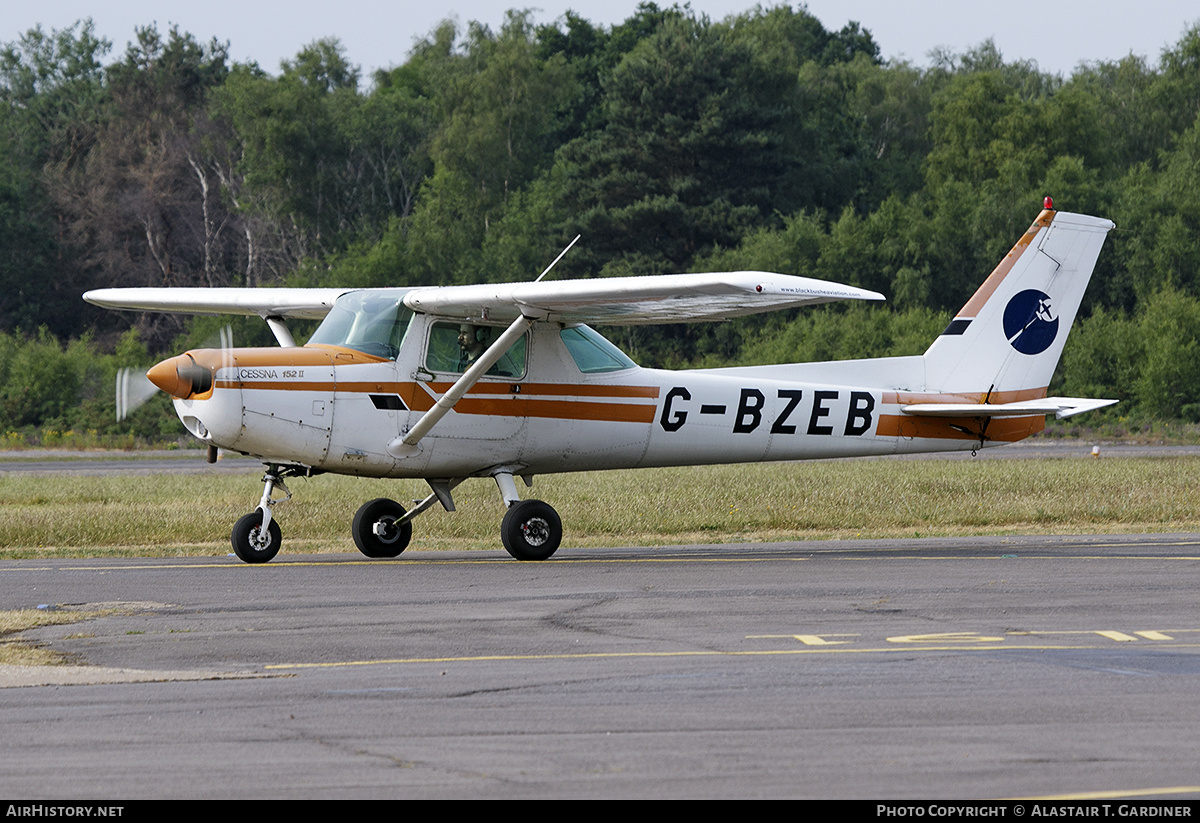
(453, 347)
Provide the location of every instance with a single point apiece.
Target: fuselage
(560, 401)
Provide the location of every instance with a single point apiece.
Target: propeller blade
(133, 390)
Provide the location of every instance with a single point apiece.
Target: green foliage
(844, 334)
(39, 381)
(1102, 357)
(53, 83)
(690, 155)
(1170, 370)
(28, 294)
(1150, 361)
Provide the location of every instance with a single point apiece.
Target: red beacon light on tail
(1048, 203)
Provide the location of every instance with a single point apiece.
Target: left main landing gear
(531, 530)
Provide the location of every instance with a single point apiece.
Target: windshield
(374, 322)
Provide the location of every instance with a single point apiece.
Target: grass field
(173, 515)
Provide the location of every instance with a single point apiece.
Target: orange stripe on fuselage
(437, 389)
(557, 409)
(971, 309)
(482, 399)
(283, 357)
(1001, 429)
(557, 389)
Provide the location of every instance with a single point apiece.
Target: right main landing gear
(380, 530)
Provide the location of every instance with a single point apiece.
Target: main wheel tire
(531, 530)
(246, 541)
(394, 538)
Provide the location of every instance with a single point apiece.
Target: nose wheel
(251, 542)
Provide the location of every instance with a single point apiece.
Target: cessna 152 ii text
(506, 381)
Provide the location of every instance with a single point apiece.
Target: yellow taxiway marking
(1114, 794)
(492, 658)
(504, 559)
(948, 637)
(285, 564)
(806, 639)
(1120, 637)
(975, 637)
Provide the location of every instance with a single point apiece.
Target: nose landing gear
(256, 537)
(254, 543)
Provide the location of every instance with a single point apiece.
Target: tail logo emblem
(1030, 324)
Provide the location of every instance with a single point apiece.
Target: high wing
(306, 303)
(664, 298)
(1060, 407)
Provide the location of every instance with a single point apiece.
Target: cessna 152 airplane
(506, 381)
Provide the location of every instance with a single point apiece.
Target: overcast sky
(379, 33)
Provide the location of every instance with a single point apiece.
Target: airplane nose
(181, 376)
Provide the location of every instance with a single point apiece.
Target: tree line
(670, 141)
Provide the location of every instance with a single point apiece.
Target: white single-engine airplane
(505, 381)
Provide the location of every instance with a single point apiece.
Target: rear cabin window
(592, 353)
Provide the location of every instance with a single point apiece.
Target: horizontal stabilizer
(307, 303)
(1060, 407)
(664, 298)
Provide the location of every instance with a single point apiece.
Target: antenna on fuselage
(560, 257)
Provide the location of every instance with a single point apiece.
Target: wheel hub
(385, 529)
(536, 531)
(260, 538)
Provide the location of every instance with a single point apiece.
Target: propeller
(134, 389)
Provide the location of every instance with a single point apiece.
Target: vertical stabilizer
(1005, 343)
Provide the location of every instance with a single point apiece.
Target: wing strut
(446, 402)
(280, 330)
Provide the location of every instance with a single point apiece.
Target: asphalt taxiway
(979, 667)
